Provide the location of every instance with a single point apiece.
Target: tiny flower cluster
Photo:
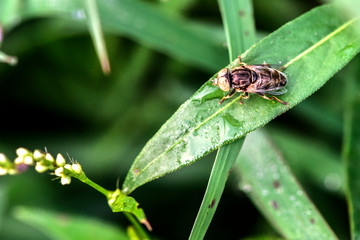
(42, 162)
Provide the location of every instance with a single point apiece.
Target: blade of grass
(201, 125)
(239, 25)
(351, 154)
(94, 25)
(224, 161)
(237, 41)
(267, 180)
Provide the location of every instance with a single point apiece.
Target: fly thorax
(241, 78)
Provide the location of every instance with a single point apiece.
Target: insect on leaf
(201, 125)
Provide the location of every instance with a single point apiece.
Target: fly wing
(278, 91)
(271, 65)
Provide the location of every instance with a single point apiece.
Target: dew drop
(78, 14)
(332, 182)
(246, 188)
(265, 192)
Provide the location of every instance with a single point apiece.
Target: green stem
(139, 230)
(95, 185)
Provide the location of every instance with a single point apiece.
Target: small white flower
(65, 180)
(60, 160)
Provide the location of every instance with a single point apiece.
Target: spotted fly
(260, 79)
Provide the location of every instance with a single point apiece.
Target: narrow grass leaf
(351, 153)
(58, 225)
(201, 125)
(239, 25)
(224, 161)
(233, 21)
(94, 25)
(267, 180)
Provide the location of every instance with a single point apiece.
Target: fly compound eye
(223, 80)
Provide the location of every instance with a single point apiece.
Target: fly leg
(228, 96)
(244, 96)
(272, 98)
(241, 63)
(282, 68)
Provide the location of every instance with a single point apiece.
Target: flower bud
(60, 160)
(12, 171)
(28, 160)
(3, 159)
(68, 167)
(59, 171)
(38, 155)
(22, 152)
(65, 180)
(49, 157)
(3, 171)
(76, 168)
(40, 168)
(19, 160)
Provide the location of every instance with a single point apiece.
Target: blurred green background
(57, 98)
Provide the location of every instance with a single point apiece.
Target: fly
(260, 79)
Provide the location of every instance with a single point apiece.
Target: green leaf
(351, 153)
(201, 125)
(119, 202)
(267, 180)
(62, 226)
(310, 160)
(224, 161)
